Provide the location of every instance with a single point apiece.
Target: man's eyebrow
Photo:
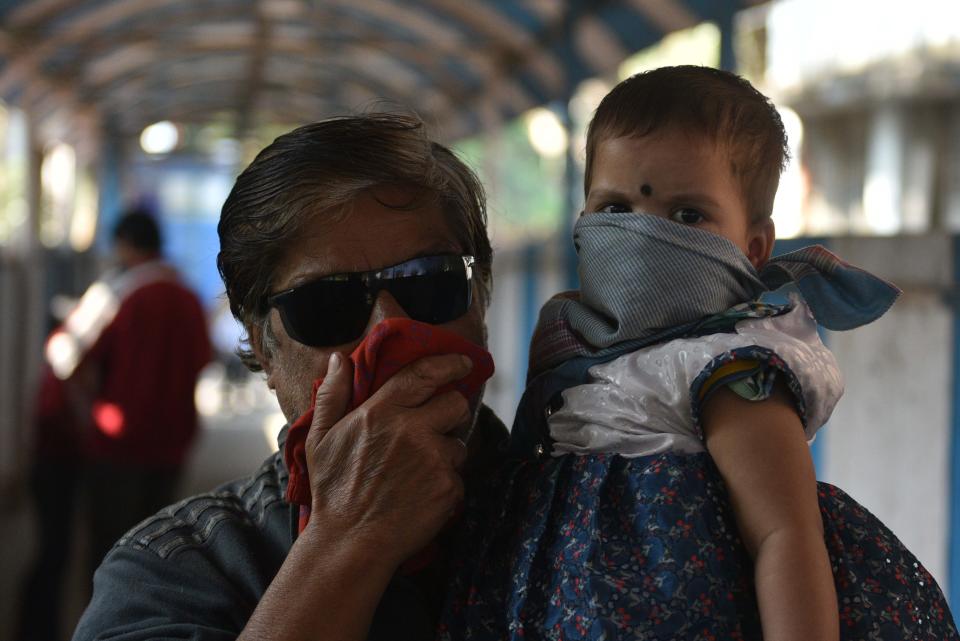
(435, 249)
(438, 248)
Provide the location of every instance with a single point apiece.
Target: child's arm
(761, 452)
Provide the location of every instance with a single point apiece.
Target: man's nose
(384, 307)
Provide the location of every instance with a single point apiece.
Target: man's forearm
(327, 588)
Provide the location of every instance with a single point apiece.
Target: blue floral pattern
(608, 547)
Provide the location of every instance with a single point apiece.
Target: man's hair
(138, 229)
(319, 170)
(706, 103)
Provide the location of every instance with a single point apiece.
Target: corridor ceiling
(464, 65)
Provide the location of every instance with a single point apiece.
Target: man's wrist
(346, 552)
(328, 587)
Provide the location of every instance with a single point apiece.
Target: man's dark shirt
(196, 570)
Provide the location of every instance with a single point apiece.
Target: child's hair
(704, 102)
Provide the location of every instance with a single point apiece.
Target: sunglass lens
(327, 313)
(432, 298)
(434, 289)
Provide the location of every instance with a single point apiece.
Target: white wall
(888, 443)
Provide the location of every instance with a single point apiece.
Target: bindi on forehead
(646, 189)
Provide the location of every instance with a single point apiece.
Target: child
(680, 500)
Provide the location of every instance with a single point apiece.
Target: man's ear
(255, 331)
(760, 239)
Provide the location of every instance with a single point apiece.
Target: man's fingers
(417, 382)
(333, 395)
(455, 451)
(446, 413)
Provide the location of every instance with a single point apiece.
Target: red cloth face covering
(389, 347)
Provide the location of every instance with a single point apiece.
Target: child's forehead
(666, 138)
(663, 166)
(676, 155)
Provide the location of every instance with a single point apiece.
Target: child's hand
(761, 452)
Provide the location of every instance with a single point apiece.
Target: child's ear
(760, 240)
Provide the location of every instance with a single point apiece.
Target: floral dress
(612, 522)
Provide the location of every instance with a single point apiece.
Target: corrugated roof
(463, 65)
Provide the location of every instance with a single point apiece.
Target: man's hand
(386, 474)
(384, 480)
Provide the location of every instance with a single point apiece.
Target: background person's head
(136, 238)
(709, 106)
(314, 176)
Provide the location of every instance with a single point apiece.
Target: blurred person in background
(133, 349)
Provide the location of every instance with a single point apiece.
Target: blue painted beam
(953, 536)
(529, 310)
(110, 196)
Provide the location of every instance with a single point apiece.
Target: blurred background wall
(108, 103)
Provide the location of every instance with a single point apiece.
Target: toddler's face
(680, 177)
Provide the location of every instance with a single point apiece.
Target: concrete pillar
(950, 171)
(919, 160)
(12, 287)
(21, 337)
(883, 182)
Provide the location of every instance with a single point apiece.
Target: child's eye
(687, 216)
(614, 208)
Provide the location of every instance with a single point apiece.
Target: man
(342, 198)
(131, 352)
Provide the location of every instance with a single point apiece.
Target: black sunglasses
(334, 310)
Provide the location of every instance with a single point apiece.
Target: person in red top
(136, 343)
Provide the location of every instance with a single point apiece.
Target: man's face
(369, 237)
